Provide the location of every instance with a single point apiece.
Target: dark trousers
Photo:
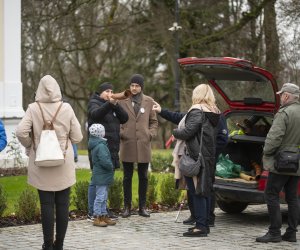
(58, 201)
(127, 183)
(276, 183)
(201, 206)
(212, 215)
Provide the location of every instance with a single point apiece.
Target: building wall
(11, 110)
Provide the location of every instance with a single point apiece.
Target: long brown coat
(66, 126)
(136, 134)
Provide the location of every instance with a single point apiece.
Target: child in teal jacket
(103, 174)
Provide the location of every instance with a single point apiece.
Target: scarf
(178, 151)
(136, 101)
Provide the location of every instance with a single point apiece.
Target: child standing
(103, 173)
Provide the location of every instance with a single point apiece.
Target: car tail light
(263, 180)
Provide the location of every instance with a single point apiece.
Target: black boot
(126, 212)
(143, 212)
(289, 236)
(268, 237)
(47, 246)
(58, 245)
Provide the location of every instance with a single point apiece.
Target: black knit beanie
(139, 79)
(104, 86)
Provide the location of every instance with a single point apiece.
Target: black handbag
(187, 165)
(287, 161)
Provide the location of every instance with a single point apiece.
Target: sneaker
(189, 221)
(111, 215)
(90, 218)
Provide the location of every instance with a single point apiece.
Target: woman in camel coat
(53, 183)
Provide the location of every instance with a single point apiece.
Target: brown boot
(99, 222)
(108, 221)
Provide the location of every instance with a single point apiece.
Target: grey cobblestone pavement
(160, 231)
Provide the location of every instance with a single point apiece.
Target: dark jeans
(276, 183)
(58, 201)
(127, 183)
(201, 206)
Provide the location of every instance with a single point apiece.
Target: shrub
(27, 205)
(151, 192)
(115, 194)
(80, 198)
(161, 162)
(169, 194)
(3, 200)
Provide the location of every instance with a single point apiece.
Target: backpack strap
(49, 125)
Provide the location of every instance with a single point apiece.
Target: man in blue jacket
(3, 140)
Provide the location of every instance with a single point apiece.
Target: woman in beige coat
(53, 183)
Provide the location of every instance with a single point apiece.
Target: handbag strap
(201, 133)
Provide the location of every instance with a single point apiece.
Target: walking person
(103, 173)
(221, 142)
(203, 113)
(103, 109)
(53, 183)
(136, 135)
(284, 134)
(3, 140)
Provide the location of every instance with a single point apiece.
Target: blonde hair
(203, 94)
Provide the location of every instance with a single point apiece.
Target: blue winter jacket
(103, 173)
(3, 140)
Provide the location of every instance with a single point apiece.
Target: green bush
(151, 192)
(169, 194)
(80, 198)
(3, 200)
(27, 205)
(161, 162)
(115, 194)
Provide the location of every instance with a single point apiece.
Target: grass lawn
(15, 185)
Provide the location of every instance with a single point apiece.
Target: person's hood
(94, 141)
(213, 118)
(48, 90)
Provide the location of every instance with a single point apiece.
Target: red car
(248, 95)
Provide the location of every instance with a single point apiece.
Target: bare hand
(156, 107)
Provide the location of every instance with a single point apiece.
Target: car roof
(243, 85)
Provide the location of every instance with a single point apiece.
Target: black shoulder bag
(287, 161)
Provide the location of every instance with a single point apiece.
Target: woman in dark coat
(203, 113)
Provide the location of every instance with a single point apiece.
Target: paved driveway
(157, 232)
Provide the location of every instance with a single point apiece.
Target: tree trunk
(271, 39)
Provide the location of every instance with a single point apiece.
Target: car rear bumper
(239, 194)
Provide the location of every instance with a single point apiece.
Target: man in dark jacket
(102, 108)
(284, 135)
